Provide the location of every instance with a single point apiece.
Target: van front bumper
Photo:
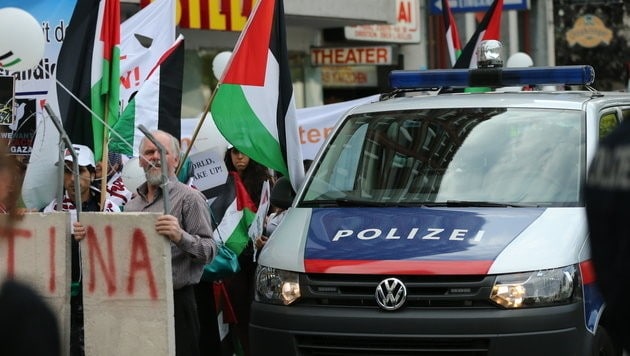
(325, 330)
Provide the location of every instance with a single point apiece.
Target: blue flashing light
(491, 77)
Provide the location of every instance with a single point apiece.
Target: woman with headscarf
(247, 173)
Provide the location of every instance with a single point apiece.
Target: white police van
(445, 223)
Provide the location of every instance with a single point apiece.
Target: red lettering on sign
(404, 12)
(140, 261)
(314, 135)
(127, 81)
(350, 56)
(94, 251)
(226, 10)
(11, 234)
(382, 55)
(52, 237)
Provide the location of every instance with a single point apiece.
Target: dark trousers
(186, 322)
(240, 288)
(76, 326)
(210, 341)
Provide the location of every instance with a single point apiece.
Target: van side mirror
(282, 193)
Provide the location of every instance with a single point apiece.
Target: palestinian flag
(452, 36)
(253, 105)
(74, 73)
(488, 29)
(106, 72)
(88, 66)
(234, 225)
(144, 37)
(157, 105)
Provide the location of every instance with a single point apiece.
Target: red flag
(452, 36)
(488, 29)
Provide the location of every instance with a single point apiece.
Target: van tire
(603, 344)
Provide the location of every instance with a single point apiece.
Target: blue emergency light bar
(491, 77)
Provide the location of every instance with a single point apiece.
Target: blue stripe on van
(428, 235)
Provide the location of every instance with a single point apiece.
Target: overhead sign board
(477, 5)
(405, 30)
(349, 76)
(221, 15)
(352, 56)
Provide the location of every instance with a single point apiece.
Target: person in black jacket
(607, 198)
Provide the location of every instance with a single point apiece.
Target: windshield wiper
(321, 203)
(346, 202)
(484, 204)
(361, 202)
(449, 203)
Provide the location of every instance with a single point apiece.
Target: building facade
(344, 49)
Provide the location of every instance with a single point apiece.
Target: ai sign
(477, 5)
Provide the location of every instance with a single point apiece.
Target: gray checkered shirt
(196, 247)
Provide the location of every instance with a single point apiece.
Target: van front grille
(422, 291)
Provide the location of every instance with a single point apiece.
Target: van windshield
(468, 156)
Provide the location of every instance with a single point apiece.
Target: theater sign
(352, 56)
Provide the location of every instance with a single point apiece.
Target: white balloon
(21, 40)
(519, 60)
(219, 63)
(133, 174)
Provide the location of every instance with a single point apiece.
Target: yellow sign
(589, 31)
(222, 15)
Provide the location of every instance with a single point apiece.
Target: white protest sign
(36, 250)
(127, 285)
(209, 169)
(256, 228)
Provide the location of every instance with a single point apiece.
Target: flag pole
(197, 128)
(104, 162)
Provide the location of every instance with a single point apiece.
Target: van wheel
(603, 344)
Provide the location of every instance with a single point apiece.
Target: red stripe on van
(398, 267)
(588, 272)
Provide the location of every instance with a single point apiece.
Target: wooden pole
(196, 132)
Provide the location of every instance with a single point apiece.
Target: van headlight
(535, 289)
(276, 286)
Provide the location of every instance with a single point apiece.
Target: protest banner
(36, 250)
(314, 125)
(127, 286)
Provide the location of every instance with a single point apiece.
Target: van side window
(607, 123)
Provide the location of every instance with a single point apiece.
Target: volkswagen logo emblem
(390, 294)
